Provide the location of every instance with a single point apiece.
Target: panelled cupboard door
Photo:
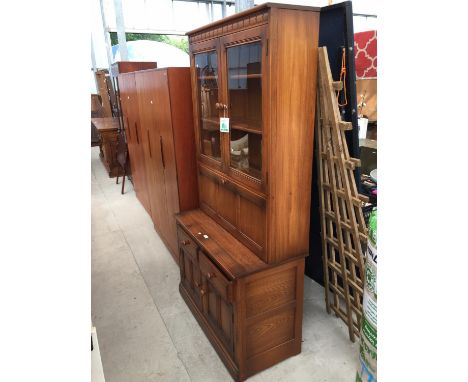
(124, 82)
(163, 136)
(190, 276)
(216, 292)
(243, 58)
(151, 149)
(140, 186)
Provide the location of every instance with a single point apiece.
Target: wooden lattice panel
(344, 233)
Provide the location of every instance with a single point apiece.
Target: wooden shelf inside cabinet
(252, 75)
(247, 126)
(211, 124)
(208, 78)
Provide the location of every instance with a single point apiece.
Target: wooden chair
(96, 112)
(122, 158)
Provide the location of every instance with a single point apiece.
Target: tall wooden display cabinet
(241, 254)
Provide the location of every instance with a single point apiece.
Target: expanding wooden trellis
(344, 233)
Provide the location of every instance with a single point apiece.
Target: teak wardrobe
(241, 254)
(157, 115)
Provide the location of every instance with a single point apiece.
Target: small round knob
(223, 181)
(210, 276)
(218, 105)
(197, 284)
(186, 242)
(202, 292)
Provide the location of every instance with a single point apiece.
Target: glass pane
(246, 152)
(245, 107)
(207, 72)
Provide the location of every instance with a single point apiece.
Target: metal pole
(223, 9)
(120, 25)
(106, 34)
(242, 5)
(93, 61)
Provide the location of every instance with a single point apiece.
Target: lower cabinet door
(190, 276)
(220, 314)
(217, 305)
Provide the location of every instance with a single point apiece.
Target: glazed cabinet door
(206, 94)
(243, 57)
(217, 301)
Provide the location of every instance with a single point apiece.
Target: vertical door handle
(128, 128)
(162, 152)
(149, 144)
(136, 131)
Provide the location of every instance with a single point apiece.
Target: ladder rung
(357, 162)
(363, 198)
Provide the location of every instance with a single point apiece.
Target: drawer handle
(210, 276)
(198, 285)
(202, 292)
(186, 242)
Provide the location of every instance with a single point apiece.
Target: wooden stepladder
(344, 232)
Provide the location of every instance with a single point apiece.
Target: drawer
(187, 244)
(214, 276)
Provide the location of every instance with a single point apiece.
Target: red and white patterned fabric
(365, 54)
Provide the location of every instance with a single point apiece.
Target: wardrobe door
(165, 144)
(151, 148)
(140, 184)
(124, 97)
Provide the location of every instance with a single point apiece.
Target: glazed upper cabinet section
(229, 82)
(243, 57)
(206, 67)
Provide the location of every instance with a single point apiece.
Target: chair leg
(117, 180)
(123, 183)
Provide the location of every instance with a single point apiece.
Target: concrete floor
(145, 330)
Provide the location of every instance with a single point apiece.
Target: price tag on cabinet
(224, 125)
